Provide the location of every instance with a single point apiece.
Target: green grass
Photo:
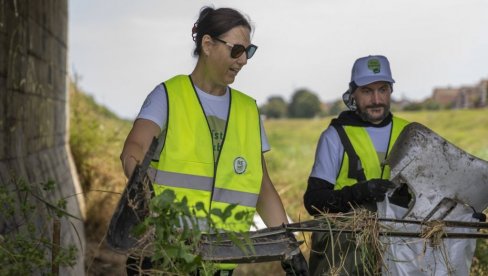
(291, 158)
(96, 140)
(467, 129)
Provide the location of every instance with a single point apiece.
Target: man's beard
(369, 118)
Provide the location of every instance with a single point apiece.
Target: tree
(276, 107)
(304, 104)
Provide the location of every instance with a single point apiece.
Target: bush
(304, 104)
(26, 246)
(275, 108)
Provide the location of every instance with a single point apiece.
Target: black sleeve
(321, 197)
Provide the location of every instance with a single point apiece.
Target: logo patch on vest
(240, 165)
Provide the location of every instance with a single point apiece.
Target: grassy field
(97, 135)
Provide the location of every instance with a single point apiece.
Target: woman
(212, 134)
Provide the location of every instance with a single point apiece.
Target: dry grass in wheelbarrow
(355, 235)
(366, 234)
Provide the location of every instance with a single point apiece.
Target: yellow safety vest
(364, 148)
(187, 165)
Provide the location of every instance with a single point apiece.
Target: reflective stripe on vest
(186, 163)
(364, 148)
(195, 182)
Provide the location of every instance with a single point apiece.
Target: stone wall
(34, 112)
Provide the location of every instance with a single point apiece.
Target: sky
(121, 49)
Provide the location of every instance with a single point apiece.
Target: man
(348, 171)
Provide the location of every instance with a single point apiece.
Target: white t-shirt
(216, 109)
(328, 156)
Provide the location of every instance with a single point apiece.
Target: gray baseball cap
(370, 69)
(367, 70)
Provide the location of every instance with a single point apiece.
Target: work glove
(480, 216)
(372, 190)
(295, 265)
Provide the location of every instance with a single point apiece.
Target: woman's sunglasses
(236, 50)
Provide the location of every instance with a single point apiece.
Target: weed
(25, 243)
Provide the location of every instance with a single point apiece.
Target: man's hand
(373, 189)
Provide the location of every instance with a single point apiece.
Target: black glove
(480, 216)
(296, 264)
(373, 189)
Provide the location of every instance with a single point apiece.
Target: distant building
(445, 96)
(463, 97)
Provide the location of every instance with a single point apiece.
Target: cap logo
(240, 165)
(374, 65)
